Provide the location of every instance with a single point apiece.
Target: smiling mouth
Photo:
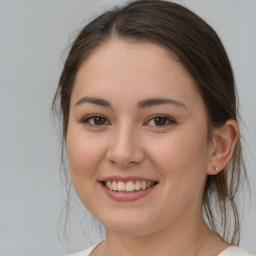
(128, 187)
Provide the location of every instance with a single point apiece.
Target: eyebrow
(141, 104)
(159, 101)
(96, 101)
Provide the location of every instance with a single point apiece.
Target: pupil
(160, 121)
(98, 120)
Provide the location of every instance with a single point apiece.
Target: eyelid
(169, 119)
(85, 120)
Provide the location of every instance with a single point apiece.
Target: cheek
(182, 161)
(84, 155)
(182, 155)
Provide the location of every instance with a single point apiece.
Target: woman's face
(137, 139)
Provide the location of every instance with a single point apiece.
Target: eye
(160, 121)
(95, 120)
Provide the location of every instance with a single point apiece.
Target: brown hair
(200, 50)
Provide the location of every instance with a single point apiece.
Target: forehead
(117, 56)
(133, 70)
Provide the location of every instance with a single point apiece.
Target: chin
(128, 224)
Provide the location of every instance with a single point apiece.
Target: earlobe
(224, 142)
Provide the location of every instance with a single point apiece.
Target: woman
(150, 126)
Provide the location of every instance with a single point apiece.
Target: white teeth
(137, 185)
(114, 185)
(129, 186)
(120, 186)
(109, 184)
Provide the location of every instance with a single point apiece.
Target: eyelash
(167, 120)
(93, 117)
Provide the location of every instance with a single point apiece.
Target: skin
(127, 141)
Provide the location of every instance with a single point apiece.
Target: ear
(223, 145)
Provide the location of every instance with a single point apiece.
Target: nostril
(125, 150)
(125, 158)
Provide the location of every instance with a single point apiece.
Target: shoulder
(235, 251)
(83, 253)
(230, 251)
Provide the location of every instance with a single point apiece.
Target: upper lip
(126, 179)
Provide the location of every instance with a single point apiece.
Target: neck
(177, 239)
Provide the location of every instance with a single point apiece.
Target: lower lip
(126, 196)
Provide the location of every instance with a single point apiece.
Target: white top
(230, 251)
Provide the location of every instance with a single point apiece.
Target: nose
(124, 149)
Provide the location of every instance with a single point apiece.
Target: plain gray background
(33, 37)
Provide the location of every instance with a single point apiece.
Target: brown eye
(159, 121)
(95, 120)
(99, 120)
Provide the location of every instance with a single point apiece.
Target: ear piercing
(215, 168)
